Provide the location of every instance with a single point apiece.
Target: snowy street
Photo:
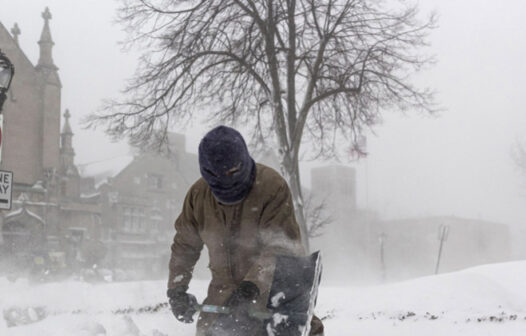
(149, 145)
(486, 300)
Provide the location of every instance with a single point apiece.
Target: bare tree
(316, 216)
(298, 71)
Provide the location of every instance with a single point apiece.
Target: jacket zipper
(233, 225)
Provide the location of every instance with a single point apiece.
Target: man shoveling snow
(243, 212)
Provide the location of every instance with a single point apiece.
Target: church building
(50, 217)
(117, 215)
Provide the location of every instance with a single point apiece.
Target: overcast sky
(457, 163)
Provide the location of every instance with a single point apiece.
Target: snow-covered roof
(32, 214)
(102, 169)
(14, 213)
(20, 211)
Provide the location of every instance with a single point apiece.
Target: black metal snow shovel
(291, 300)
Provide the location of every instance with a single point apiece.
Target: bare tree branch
(316, 216)
(302, 71)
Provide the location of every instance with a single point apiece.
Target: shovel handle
(213, 309)
(205, 308)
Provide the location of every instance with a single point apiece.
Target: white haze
(457, 163)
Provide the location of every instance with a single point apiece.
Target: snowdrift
(486, 300)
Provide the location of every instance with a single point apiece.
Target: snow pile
(487, 300)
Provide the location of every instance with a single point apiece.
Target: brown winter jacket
(242, 239)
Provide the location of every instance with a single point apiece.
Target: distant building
(140, 203)
(359, 247)
(345, 242)
(411, 246)
(336, 184)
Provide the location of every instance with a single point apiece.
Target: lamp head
(7, 71)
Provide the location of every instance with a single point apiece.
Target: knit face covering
(226, 165)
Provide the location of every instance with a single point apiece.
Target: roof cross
(47, 15)
(66, 114)
(15, 31)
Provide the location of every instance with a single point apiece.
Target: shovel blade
(293, 295)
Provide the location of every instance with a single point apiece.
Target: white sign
(6, 186)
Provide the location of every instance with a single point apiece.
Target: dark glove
(241, 302)
(182, 304)
(239, 322)
(245, 294)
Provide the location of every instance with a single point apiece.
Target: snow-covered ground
(486, 300)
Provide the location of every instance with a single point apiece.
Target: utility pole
(443, 232)
(381, 238)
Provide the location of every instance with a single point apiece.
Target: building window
(77, 234)
(155, 181)
(134, 220)
(127, 219)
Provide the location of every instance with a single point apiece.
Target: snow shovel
(292, 298)
(293, 295)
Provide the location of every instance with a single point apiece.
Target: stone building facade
(50, 220)
(120, 218)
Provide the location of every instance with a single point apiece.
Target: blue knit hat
(226, 165)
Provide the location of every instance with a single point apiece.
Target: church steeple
(70, 177)
(67, 153)
(46, 44)
(66, 137)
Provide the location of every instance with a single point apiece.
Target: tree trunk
(292, 175)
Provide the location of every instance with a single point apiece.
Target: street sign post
(443, 233)
(6, 187)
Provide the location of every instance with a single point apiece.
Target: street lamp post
(7, 71)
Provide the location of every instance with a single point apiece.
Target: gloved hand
(245, 294)
(239, 322)
(241, 301)
(182, 304)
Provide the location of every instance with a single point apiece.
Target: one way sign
(6, 186)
